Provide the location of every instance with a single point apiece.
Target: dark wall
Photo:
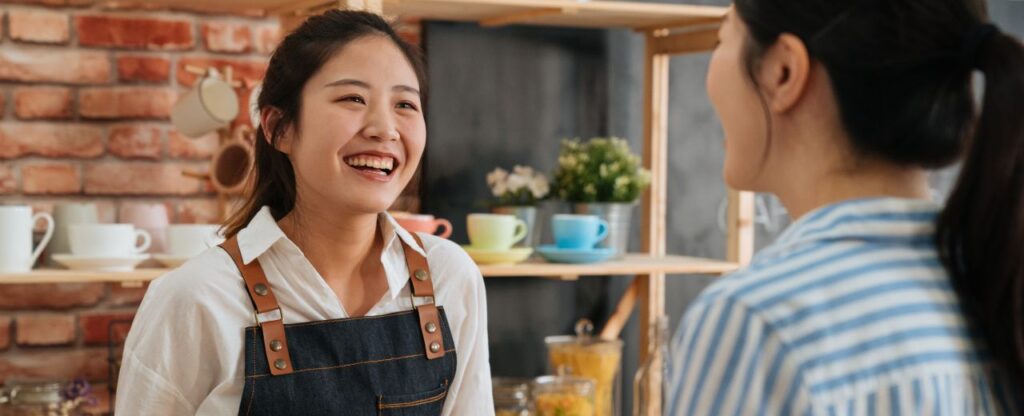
(507, 96)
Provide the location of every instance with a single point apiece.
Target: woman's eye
(407, 105)
(353, 98)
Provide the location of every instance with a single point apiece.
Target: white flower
(539, 186)
(499, 189)
(516, 182)
(496, 176)
(621, 182)
(524, 171)
(590, 189)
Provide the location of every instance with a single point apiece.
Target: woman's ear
(784, 73)
(269, 117)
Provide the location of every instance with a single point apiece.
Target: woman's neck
(339, 245)
(808, 188)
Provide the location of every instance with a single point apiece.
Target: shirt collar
(262, 233)
(869, 219)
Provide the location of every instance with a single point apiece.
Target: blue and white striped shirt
(850, 312)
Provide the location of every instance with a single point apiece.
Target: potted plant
(602, 177)
(517, 193)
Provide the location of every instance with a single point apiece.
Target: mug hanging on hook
(210, 105)
(233, 162)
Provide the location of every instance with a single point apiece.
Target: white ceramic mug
(187, 240)
(16, 252)
(210, 105)
(151, 217)
(108, 240)
(65, 215)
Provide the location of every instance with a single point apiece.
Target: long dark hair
(902, 75)
(296, 59)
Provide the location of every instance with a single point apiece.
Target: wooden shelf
(564, 13)
(633, 264)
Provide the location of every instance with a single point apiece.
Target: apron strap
(423, 287)
(268, 312)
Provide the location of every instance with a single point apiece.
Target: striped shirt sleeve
(719, 364)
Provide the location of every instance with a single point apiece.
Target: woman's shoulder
(209, 280)
(449, 263)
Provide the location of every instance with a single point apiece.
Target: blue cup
(578, 231)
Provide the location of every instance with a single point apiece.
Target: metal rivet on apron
(276, 345)
(260, 289)
(280, 364)
(431, 327)
(420, 274)
(435, 347)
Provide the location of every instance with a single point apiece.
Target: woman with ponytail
(878, 299)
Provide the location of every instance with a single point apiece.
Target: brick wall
(85, 96)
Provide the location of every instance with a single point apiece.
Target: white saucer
(101, 264)
(170, 261)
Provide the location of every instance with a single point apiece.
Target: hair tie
(975, 39)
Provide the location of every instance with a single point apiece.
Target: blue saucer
(575, 255)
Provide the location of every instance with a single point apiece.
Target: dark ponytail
(902, 75)
(981, 231)
(297, 58)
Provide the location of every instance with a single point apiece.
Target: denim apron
(397, 364)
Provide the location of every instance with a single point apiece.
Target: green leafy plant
(522, 187)
(599, 170)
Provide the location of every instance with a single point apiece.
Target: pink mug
(416, 223)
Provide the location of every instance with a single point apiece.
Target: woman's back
(849, 312)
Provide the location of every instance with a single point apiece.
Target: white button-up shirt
(184, 354)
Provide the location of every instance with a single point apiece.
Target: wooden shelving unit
(631, 265)
(669, 29)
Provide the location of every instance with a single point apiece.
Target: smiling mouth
(382, 166)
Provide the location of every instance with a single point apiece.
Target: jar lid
(510, 391)
(36, 393)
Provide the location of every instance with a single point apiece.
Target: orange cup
(417, 223)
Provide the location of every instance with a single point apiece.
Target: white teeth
(372, 162)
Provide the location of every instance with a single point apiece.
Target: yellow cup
(495, 231)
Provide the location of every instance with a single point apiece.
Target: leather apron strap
(268, 312)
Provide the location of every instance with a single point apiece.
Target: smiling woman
(275, 320)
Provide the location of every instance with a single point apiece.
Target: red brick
(134, 32)
(198, 211)
(267, 38)
(50, 178)
(183, 147)
(50, 140)
(126, 102)
(56, 3)
(126, 296)
(248, 69)
(41, 26)
(43, 102)
(39, 329)
(50, 295)
(226, 36)
(96, 326)
(54, 65)
(5, 332)
(48, 365)
(143, 68)
(8, 182)
(135, 141)
(139, 178)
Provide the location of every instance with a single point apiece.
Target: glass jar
(511, 396)
(593, 358)
(563, 396)
(36, 399)
(656, 363)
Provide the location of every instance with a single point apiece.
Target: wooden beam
(687, 42)
(652, 287)
(740, 248)
(297, 7)
(522, 17)
(372, 6)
